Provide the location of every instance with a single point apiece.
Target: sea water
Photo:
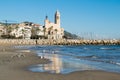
(67, 59)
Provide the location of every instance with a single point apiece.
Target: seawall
(57, 42)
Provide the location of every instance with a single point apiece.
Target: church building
(53, 30)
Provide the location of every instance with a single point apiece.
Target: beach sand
(13, 66)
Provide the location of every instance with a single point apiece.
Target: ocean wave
(105, 48)
(88, 57)
(113, 62)
(118, 63)
(106, 61)
(85, 48)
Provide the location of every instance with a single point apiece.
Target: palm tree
(9, 29)
(33, 31)
(16, 27)
(38, 29)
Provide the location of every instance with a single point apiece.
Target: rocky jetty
(57, 42)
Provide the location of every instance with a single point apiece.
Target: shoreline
(13, 67)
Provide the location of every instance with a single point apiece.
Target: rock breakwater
(57, 42)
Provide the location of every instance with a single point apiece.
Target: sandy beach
(13, 66)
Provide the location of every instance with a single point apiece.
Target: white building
(23, 31)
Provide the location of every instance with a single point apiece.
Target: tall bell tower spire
(57, 18)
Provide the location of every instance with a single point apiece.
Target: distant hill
(69, 35)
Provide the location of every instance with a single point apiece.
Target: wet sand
(13, 66)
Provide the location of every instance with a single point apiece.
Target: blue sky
(101, 17)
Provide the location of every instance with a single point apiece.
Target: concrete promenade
(57, 42)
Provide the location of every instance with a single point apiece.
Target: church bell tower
(57, 18)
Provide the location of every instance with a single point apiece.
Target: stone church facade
(53, 30)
